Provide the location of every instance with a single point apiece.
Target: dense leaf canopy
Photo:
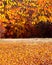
(19, 14)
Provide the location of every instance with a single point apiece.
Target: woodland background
(25, 18)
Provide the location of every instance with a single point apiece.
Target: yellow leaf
(43, 18)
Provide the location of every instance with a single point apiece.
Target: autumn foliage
(25, 18)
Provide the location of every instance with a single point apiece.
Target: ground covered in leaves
(26, 54)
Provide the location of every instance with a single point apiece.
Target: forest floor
(25, 51)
